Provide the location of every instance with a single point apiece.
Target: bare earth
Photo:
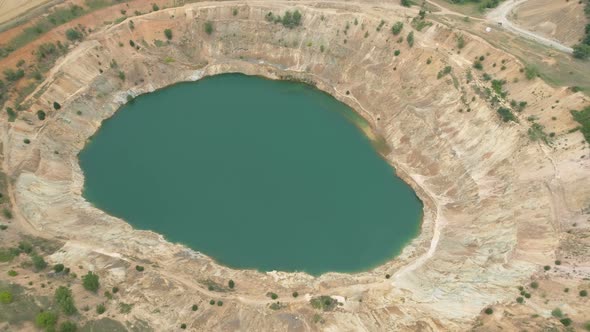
(10, 9)
(497, 205)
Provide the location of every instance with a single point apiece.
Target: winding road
(499, 15)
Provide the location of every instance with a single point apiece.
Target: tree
(291, 20)
(58, 268)
(155, 7)
(56, 105)
(63, 297)
(406, 3)
(208, 27)
(195, 307)
(46, 320)
(41, 115)
(12, 75)
(582, 51)
(410, 39)
(168, 34)
(397, 28)
(231, 284)
(100, 309)
(73, 34)
(38, 262)
(90, 282)
(68, 327)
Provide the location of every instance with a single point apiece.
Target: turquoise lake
(260, 174)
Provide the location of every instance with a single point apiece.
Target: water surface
(261, 174)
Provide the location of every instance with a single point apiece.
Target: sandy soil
(10, 9)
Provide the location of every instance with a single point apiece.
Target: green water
(261, 174)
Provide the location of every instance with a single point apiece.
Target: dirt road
(499, 15)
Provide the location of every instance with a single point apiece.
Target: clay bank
(494, 201)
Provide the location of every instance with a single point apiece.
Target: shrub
(38, 262)
(11, 114)
(73, 34)
(12, 273)
(139, 268)
(234, 12)
(121, 75)
(219, 303)
(581, 51)
(168, 34)
(506, 114)
(5, 297)
(295, 294)
(397, 28)
(520, 299)
(531, 72)
(41, 115)
(212, 302)
(583, 118)
(58, 268)
(396, 52)
(125, 308)
(557, 313)
(291, 20)
(208, 27)
(183, 326)
(231, 284)
(566, 321)
(195, 307)
(27, 141)
(100, 309)
(46, 320)
(56, 105)
(534, 285)
(583, 293)
(546, 267)
(115, 290)
(63, 297)
(557, 262)
(460, 42)
(273, 296)
(155, 7)
(410, 39)
(90, 282)
(406, 3)
(489, 311)
(68, 326)
(323, 302)
(131, 43)
(387, 276)
(478, 65)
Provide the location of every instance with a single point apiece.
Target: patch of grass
(583, 118)
(536, 133)
(125, 308)
(531, 72)
(22, 308)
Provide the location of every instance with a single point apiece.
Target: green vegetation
(125, 308)
(397, 28)
(5, 297)
(56, 105)
(183, 326)
(396, 52)
(46, 320)
(90, 282)
(295, 294)
(583, 118)
(41, 115)
(73, 35)
(139, 268)
(219, 303)
(168, 32)
(58, 268)
(65, 300)
(489, 311)
(447, 70)
(121, 75)
(12, 75)
(323, 302)
(212, 302)
(520, 299)
(536, 133)
(155, 7)
(100, 309)
(478, 65)
(497, 86)
(195, 307)
(584, 293)
(557, 313)
(231, 284)
(11, 117)
(566, 321)
(12, 273)
(460, 42)
(68, 326)
(234, 12)
(410, 39)
(291, 20)
(506, 114)
(482, 4)
(273, 296)
(534, 285)
(531, 72)
(406, 3)
(38, 262)
(208, 27)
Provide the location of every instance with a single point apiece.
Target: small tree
(68, 326)
(65, 300)
(397, 28)
(46, 320)
(208, 27)
(168, 34)
(231, 284)
(489, 311)
(38, 262)
(73, 34)
(155, 7)
(100, 309)
(406, 3)
(90, 282)
(195, 307)
(139, 268)
(58, 268)
(582, 51)
(56, 105)
(410, 39)
(41, 115)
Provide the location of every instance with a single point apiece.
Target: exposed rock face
(494, 202)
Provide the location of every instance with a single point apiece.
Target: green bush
(396, 52)
(489, 311)
(460, 42)
(231, 284)
(291, 20)
(410, 39)
(557, 313)
(90, 282)
(100, 309)
(38, 262)
(5, 297)
(183, 326)
(73, 35)
(219, 303)
(46, 320)
(65, 300)
(121, 75)
(68, 326)
(58, 268)
(155, 7)
(56, 105)
(583, 293)
(566, 321)
(168, 34)
(195, 307)
(273, 296)
(12, 75)
(139, 268)
(295, 294)
(115, 290)
(212, 302)
(41, 115)
(506, 115)
(531, 72)
(406, 3)
(478, 65)
(12, 273)
(208, 27)
(397, 28)
(583, 118)
(520, 299)
(582, 51)
(534, 285)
